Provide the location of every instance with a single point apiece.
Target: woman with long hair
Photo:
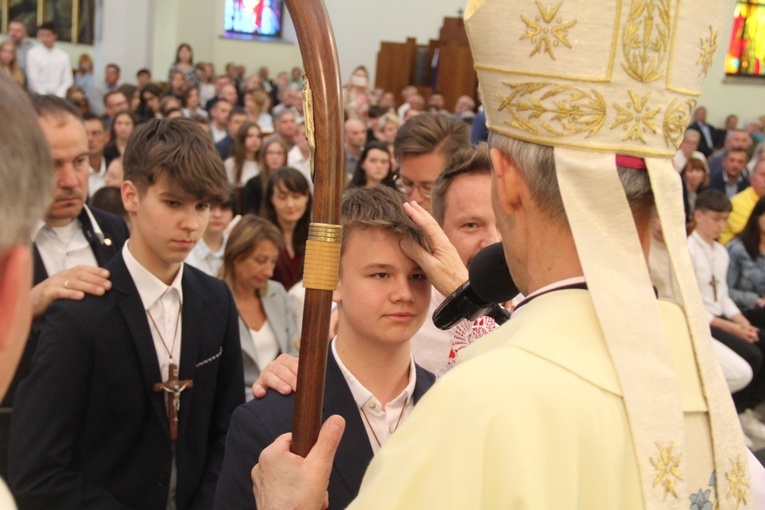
(149, 107)
(9, 63)
(746, 271)
(695, 176)
(273, 156)
(184, 62)
(267, 325)
(245, 153)
(122, 126)
(374, 167)
(288, 206)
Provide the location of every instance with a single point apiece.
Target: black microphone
(489, 282)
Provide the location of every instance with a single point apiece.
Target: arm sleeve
(246, 439)
(47, 418)
(744, 299)
(228, 395)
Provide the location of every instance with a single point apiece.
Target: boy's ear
(697, 214)
(129, 197)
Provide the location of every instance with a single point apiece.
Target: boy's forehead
(372, 245)
(166, 184)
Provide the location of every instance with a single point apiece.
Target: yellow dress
(532, 418)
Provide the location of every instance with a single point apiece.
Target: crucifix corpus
(173, 387)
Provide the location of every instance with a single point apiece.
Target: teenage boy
(99, 422)
(728, 324)
(382, 299)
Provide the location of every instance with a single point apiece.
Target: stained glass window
(746, 49)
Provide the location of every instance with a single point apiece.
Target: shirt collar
(361, 395)
(150, 288)
(40, 224)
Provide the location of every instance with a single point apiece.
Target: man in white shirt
(97, 138)
(49, 70)
(219, 117)
(71, 242)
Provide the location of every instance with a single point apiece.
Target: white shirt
(712, 261)
(49, 71)
(296, 160)
(163, 308)
(217, 134)
(266, 345)
(430, 345)
(96, 179)
(266, 123)
(379, 423)
(65, 247)
(202, 257)
(249, 170)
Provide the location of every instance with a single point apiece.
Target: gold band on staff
(322, 256)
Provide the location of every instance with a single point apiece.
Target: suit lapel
(103, 250)
(135, 316)
(191, 339)
(354, 452)
(40, 273)
(276, 318)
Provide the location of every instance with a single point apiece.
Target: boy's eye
(419, 277)
(380, 275)
(203, 206)
(172, 203)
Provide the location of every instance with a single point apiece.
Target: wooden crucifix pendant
(713, 282)
(173, 387)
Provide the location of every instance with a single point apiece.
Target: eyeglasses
(406, 186)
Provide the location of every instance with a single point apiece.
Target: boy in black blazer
(99, 422)
(372, 381)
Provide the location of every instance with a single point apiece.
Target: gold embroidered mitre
(595, 79)
(619, 76)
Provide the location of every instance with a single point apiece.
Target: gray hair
(536, 164)
(26, 167)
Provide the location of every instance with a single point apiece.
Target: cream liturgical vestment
(525, 403)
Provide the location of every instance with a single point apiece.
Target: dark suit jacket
(224, 147)
(703, 145)
(115, 233)
(717, 181)
(258, 423)
(88, 431)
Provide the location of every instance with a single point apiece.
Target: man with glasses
(424, 145)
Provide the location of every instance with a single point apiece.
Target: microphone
(489, 282)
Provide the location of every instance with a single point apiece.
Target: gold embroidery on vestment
(708, 48)
(739, 482)
(667, 470)
(645, 39)
(540, 30)
(637, 114)
(553, 109)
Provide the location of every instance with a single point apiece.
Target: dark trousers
(753, 354)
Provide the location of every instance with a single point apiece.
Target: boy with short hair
(207, 255)
(728, 325)
(130, 394)
(372, 380)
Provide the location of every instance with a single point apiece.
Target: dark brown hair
(464, 161)
(182, 152)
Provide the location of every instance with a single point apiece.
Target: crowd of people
(168, 272)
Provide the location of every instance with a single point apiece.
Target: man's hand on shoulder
(72, 284)
(279, 375)
(284, 481)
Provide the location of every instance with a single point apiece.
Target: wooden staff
(324, 122)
